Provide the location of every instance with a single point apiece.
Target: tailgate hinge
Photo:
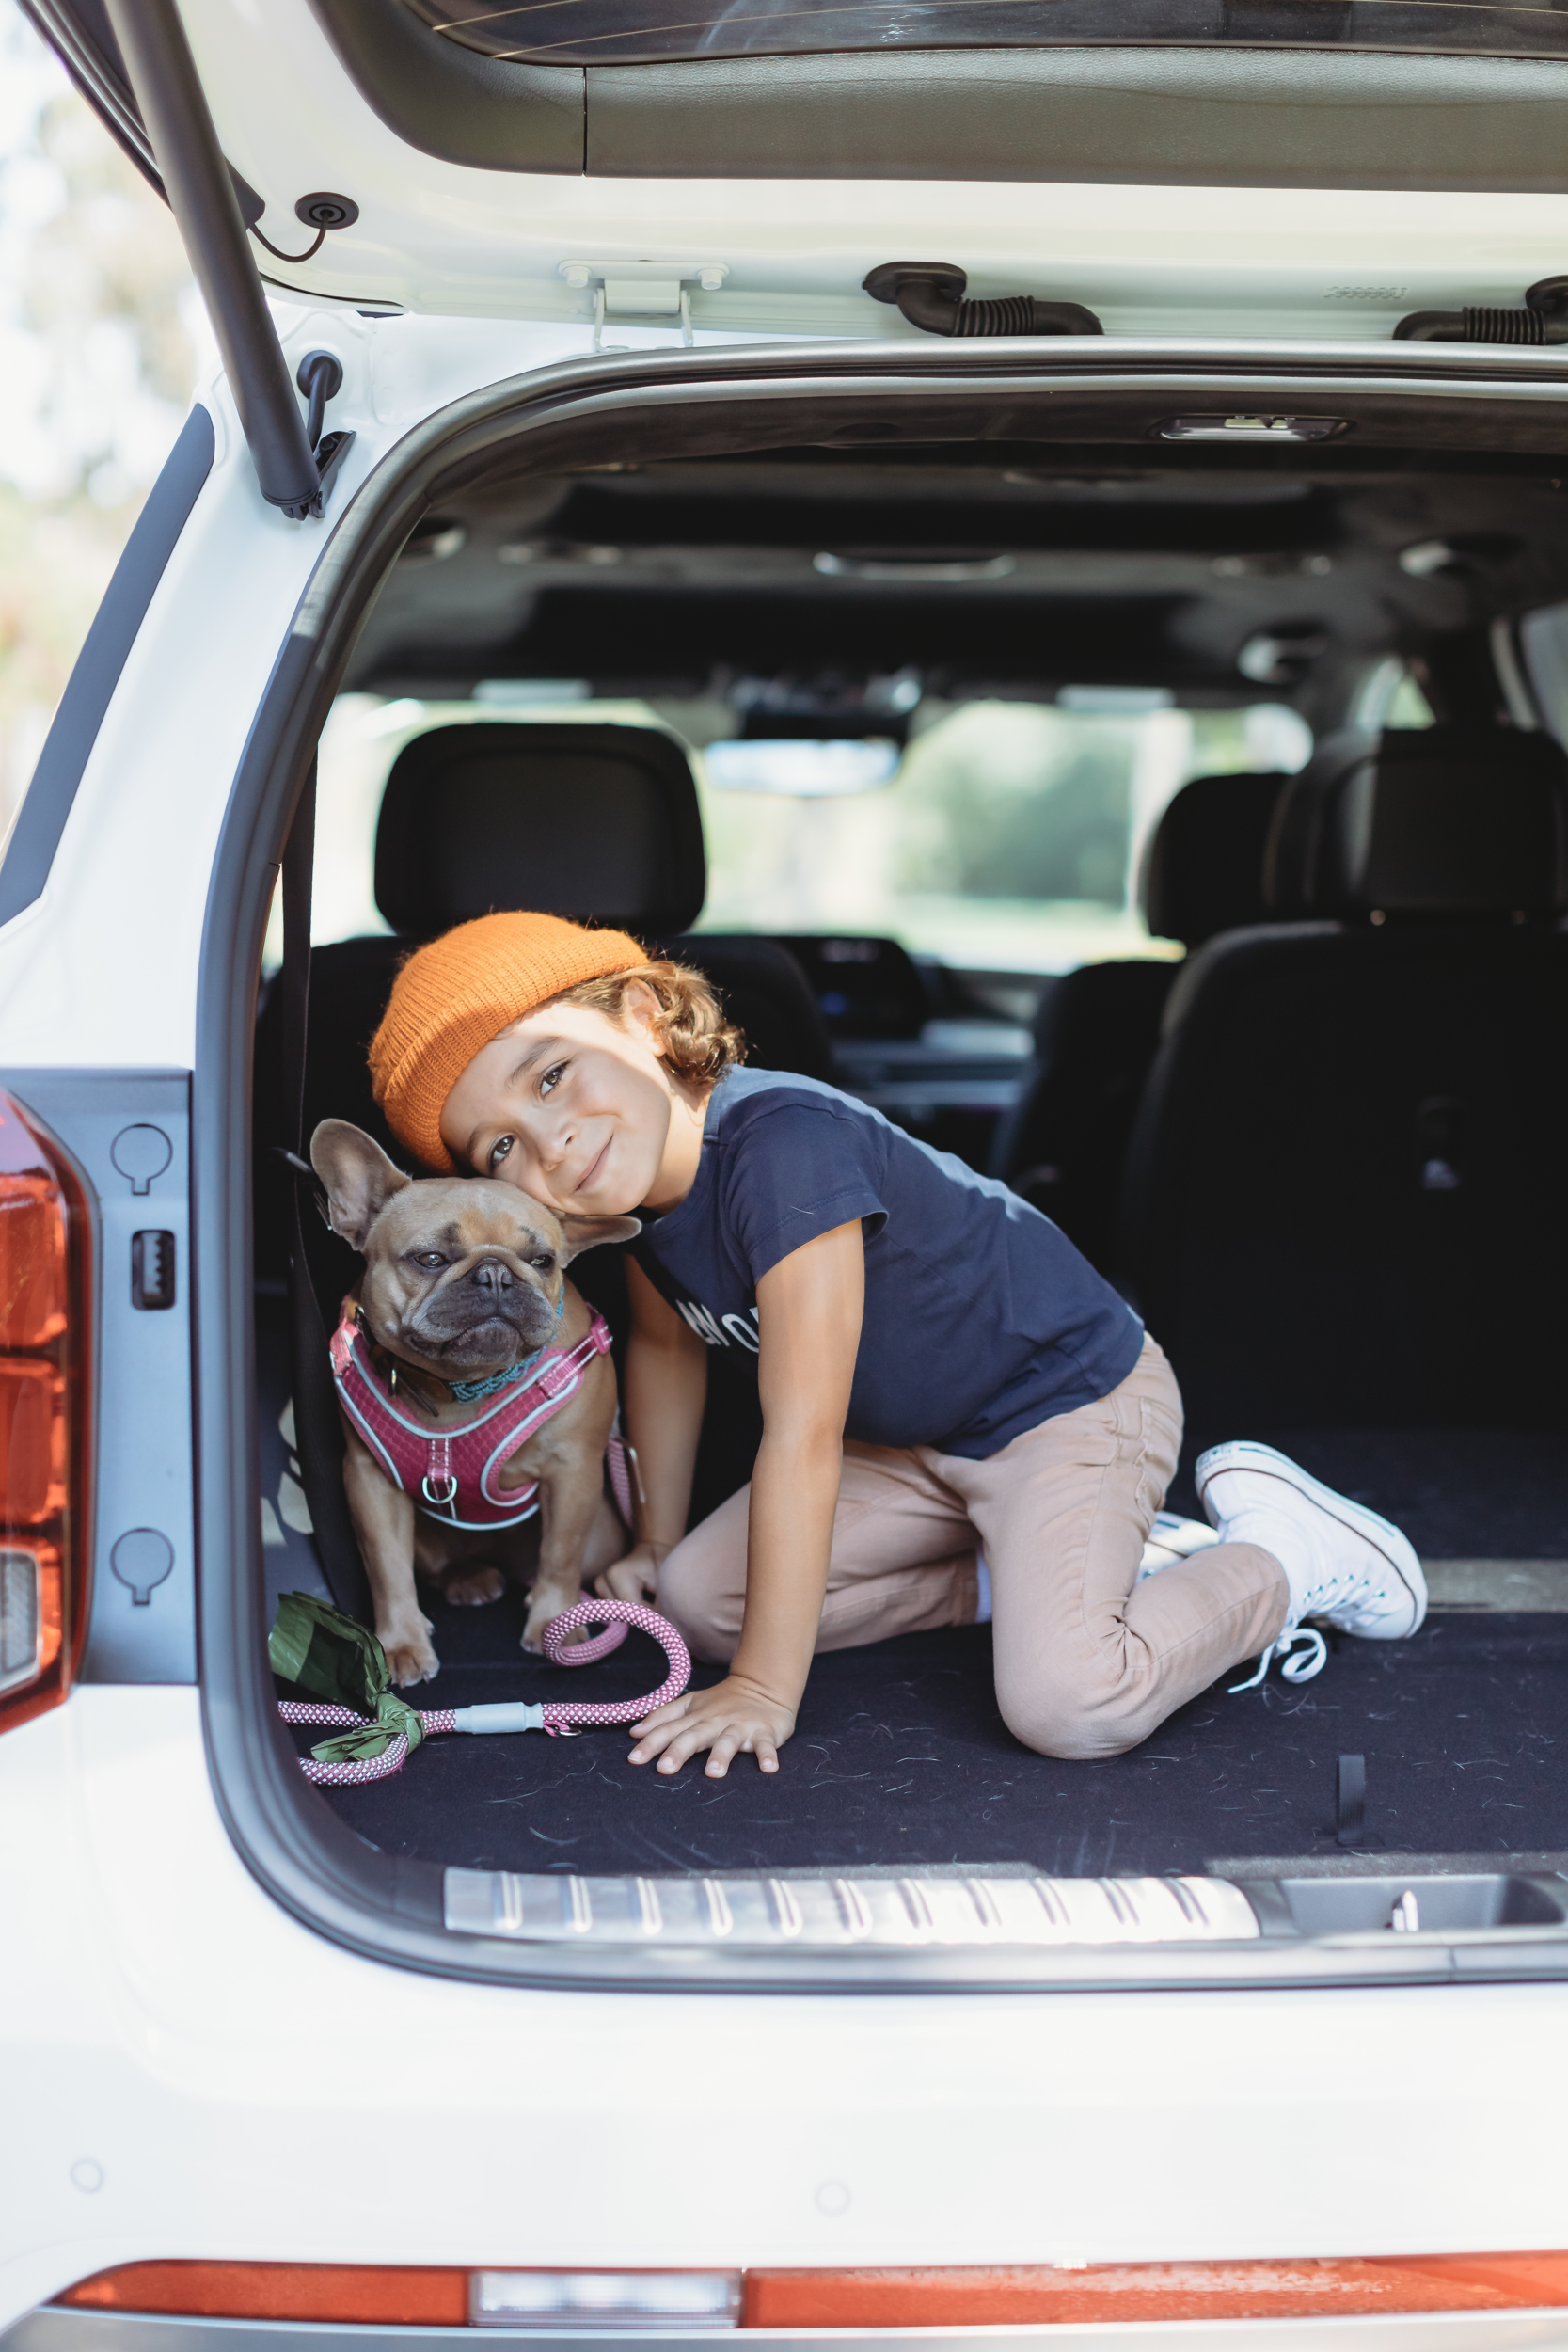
(644, 291)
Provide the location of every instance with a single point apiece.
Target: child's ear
(358, 1176)
(586, 1233)
(641, 1010)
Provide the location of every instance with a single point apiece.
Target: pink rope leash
(558, 1717)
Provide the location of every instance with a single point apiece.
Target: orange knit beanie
(461, 991)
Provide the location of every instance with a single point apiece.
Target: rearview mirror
(802, 770)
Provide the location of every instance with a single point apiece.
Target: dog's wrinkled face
(462, 1275)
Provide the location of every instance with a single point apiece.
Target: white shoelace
(1299, 1669)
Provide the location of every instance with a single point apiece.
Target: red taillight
(1029, 2296)
(43, 1351)
(1022, 2294)
(362, 2294)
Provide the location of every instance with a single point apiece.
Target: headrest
(1431, 821)
(599, 824)
(1203, 869)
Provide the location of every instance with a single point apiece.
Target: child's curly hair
(698, 1043)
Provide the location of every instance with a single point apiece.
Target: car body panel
(1298, 192)
(251, 2092)
(200, 2072)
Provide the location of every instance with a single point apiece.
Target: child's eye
(498, 1149)
(551, 1078)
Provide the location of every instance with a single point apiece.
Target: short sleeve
(795, 1172)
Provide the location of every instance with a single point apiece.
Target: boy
(959, 1416)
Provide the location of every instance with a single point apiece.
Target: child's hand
(634, 1577)
(734, 1718)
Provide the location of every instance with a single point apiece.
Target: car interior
(1224, 921)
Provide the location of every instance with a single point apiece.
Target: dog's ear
(358, 1176)
(586, 1233)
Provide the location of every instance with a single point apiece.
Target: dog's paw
(474, 1587)
(410, 1655)
(542, 1608)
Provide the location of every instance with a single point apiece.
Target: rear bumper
(51, 2331)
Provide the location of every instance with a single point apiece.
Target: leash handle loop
(561, 1718)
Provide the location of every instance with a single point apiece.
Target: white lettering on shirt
(742, 1329)
(739, 1329)
(702, 1321)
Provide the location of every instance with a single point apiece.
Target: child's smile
(579, 1111)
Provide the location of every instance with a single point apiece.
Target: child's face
(572, 1107)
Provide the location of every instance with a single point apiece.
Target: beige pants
(1087, 1662)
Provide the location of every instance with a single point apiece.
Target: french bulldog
(463, 1279)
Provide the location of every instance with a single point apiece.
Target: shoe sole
(1264, 1462)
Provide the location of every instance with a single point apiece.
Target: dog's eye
(430, 1259)
(544, 1264)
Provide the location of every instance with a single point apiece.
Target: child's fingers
(688, 1741)
(654, 1743)
(725, 1748)
(765, 1753)
(670, 1712)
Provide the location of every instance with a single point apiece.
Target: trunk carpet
(901, 1758)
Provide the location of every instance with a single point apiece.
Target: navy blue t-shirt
(981, 1318)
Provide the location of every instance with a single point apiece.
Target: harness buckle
(438, 1487)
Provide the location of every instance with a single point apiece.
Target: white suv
(619, 514)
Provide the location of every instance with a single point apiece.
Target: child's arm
(809, 1309)
(664, 1390)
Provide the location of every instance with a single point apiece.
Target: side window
(1542, 643)
(1391, 697)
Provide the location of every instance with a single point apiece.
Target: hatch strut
(932, 295)
(190, 161)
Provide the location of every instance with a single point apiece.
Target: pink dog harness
(452, 1473)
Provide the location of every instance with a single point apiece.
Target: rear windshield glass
(629, 32)
(1006, 837)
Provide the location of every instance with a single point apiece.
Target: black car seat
(1344, 1191)
(1098, 1028)
(600, 823)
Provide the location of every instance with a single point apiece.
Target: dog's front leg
(570, 1485)
(383, 1520)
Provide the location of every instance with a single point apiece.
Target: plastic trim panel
(1157, 115)
(141, 1418)
(1130, 117)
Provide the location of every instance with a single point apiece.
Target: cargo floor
(900, 1758)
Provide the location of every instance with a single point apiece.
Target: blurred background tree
(101, 333)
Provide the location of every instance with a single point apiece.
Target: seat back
(599, 824)
(1098, 1028)
(1343, 1191)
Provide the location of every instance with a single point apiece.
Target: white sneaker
(1341, 1561)
(1172, 1538)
